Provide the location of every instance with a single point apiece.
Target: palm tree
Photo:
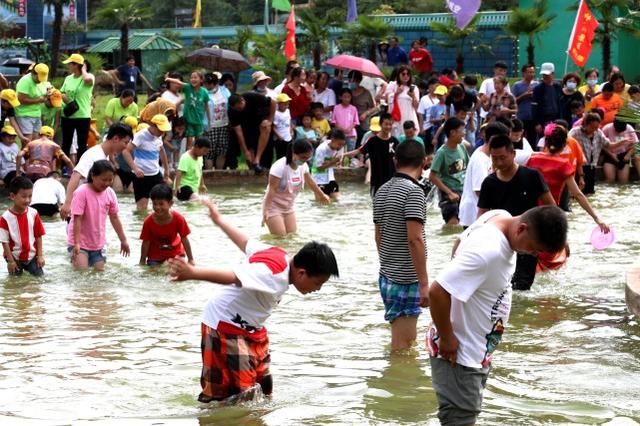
(316, 33)
(614, 17)
(123, 13)
(363, 35)
(456, 38)
(530, 22)
(268, 49)
(56, 27)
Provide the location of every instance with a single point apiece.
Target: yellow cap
(162, 122)
(10, 96)
(9, 130)
(55, 98)
(282, 98)
(47, 131)
(141, 127)
(130, 121)
(76, 58)
(374, 124)
(441, 90)
(42, 70)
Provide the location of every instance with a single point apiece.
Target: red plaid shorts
(233, 360)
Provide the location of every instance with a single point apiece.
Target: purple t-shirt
(94, 207)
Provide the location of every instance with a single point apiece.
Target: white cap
(547, 68)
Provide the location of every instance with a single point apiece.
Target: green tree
(456, 38)
(124, 14)
(268, 51)
(56, 31)
(614, 17)
(530, 22)
(315, 39)
(362, 36)
(240, 42)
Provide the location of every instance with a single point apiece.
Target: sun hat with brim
(47, 131)
(8, 130)
(10, 96)
(55, 98)
(75, 58)
(282, 98)
(441, 90)
(42, 70)
(374, 124)
(162, 122)
(259, 76)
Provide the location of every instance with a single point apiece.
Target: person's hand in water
(603, 226)
(179, 269)
(323, 199)
(214, 214)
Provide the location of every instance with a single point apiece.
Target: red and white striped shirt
(21, 231)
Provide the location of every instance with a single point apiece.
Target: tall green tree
(315, 39)
(614, 17)
(269, 53)
(362, 37)
(124, 14)
(456, 38)
(56, 31)
(530, 22)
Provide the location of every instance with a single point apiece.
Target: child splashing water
(92, 203)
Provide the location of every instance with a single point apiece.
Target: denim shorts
(94, 256)
(399, 299)
(29, 125)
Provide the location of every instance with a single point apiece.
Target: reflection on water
(87, 348)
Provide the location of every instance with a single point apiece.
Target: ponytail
(300, 146)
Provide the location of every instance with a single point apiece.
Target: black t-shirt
(257, 109)
(381, 154)
(517, 196)
(468, 101)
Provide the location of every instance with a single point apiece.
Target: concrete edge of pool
(632, 290)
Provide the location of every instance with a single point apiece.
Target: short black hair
(470, 80)
(201, 143)
(18, 183)
(516, 125)
(211, 78)
(235, 99)
(562, 123)
(385, 116)
(504, 120)
(456, 91)
(119, 129)
(452, 124)
(575, 104)
(607, 87)
(501, 64)
(526, 67)
(355, 75)
(161, 191)
(429, 149)
(500, 141)
(345, 90)
(548, 224)
(410, 153)
(337, 134)
(316, 259)
(633, 90)
(99, 167)
(316, 105)
(493, 129)
(619, 125)
(128, 93)
(408, 125)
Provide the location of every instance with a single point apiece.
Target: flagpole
(266, 16)
(573, 31)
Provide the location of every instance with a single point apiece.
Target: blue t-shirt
(396, 55)
(129, 76)
(524, 107)
(436, 111)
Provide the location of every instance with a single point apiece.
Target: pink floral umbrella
(349, 62)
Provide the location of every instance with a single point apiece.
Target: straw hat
(259, 76)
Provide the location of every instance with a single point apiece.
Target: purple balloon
(463, 10)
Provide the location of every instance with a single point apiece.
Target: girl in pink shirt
(345, 117)
(92, 203)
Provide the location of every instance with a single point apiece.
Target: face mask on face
(298, 162)
(592, 82)
(261, 89)
(571, 85)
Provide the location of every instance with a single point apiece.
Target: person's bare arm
(440, 307)
(418, 253)
(72, 185)
(178, 180)
(433, 177)
(12, 265)
(144, 251)
(187, 250)
(321, 197)
(27, 100)
(584, 203)
(179, 83)
(128, 158)
(143, 78)
(180, 270)
(377, 236)
(547, 199)
(116, 76)
(239, 238)
(16, 127)
(117, 226)
(4, 83)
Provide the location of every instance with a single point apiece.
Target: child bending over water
(92, 203)
(233, 319)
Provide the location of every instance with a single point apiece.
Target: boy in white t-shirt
(328, 155)
(235, 344)
(470, 301)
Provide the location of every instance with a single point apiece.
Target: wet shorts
(46, 209)
(448, 208)
(459, 391)
(142, 186)
(233, 360)
(185, 193)
(94, 256)
(330, 188)
(30, 266)
(399, 299)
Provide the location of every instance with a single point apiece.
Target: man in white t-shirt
(48, 195)
(233, 319)
(116, 141)
(470, 302)
(478, 168)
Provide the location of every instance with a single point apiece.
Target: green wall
(551, 45)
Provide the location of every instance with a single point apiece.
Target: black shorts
(142, 186)
(126, 177)
(46, 209)
(330, 188)
(185, 193)
(617, 161)
(448, 208)
(9, 177)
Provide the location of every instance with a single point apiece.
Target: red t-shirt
(421, 60)
(555, 170)
(299, 103)
(166, 240)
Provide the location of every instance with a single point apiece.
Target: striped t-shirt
(147, 153)
(20, 230)
(397, 201)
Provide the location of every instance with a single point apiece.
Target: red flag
(583, 31)
(290, 43)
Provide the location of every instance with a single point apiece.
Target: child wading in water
(164, 231)
(235, 344)
(92, 203)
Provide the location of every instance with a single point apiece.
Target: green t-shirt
(194, 103)
(116, 112)
(451, 166)
(32, 89)
(49, 115)
(417, 138)
(191, 171)
(76, 90)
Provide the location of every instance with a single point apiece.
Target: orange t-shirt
(610, 107)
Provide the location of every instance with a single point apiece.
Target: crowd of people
(493, 153)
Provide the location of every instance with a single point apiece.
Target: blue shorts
(399, 299)
(94, 256)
